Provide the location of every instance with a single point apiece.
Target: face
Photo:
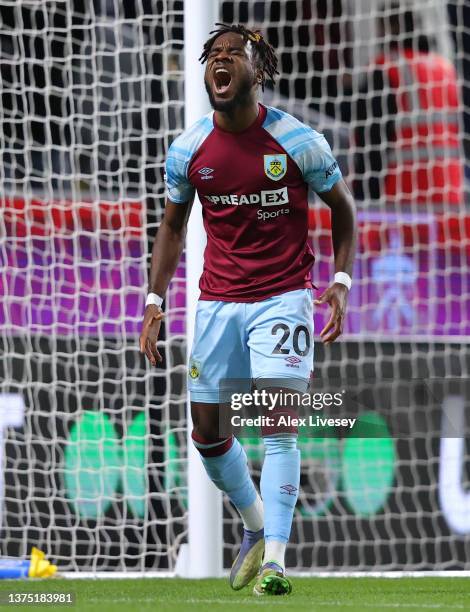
(230, 77)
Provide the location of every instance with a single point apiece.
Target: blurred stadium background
(94, 469)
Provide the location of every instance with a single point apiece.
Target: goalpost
(203, 557)
(99, 471)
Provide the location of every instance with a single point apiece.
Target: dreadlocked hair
(265, 56)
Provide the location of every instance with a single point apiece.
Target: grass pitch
(313, 594)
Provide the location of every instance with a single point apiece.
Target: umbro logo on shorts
(293, 361)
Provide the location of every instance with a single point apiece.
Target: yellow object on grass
(40, 567)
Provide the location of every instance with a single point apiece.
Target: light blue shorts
(260, 340)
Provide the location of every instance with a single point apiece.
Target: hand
(150, 329)
(337, 297)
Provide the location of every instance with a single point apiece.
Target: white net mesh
(92, 96)
(86, 119)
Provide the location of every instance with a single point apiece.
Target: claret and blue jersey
(253, 187)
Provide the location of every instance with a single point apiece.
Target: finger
(326, 329)
(144, 334)
(149, 355)
(332, 337)
(338, 330)
(156, 357)
(322, 299)
(149, 352)
(331, 322)
(159, 357)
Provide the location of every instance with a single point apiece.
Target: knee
(205, 434)
(210, 445)
(205, 423)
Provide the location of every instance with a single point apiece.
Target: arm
(166, 252)
(168, 246)
(344, 236)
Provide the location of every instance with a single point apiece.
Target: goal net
(93, 470)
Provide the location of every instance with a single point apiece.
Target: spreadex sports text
(268, 197)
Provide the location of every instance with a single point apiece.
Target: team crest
(194, 370)
(275, 166)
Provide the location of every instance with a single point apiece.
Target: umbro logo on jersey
(206, 173)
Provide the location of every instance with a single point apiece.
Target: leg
(280, 479)
(218, 353)
(226, 465)
(281, 348)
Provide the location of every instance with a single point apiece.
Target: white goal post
(203, 557)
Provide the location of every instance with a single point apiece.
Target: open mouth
(222, 80)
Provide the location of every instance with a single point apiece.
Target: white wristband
(343, 279)
(155, 299)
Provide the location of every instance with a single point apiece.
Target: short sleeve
(320, 168)
(179, 189)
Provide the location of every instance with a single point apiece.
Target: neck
(239, 119)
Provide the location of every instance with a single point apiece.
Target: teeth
(221, 70)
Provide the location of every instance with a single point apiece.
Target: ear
(259, 77)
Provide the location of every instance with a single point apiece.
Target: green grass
(313, 594)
